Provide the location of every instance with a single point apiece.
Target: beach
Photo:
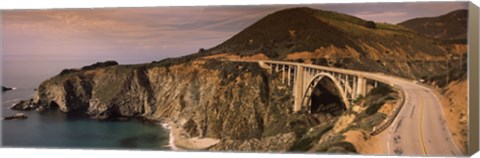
(179, 141)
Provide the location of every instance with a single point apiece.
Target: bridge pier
(361, 86)
(289, 75)
(298, 88)
(345, 84)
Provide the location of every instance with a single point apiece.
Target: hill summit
(451, 26)
(305, 29)
(290, 30)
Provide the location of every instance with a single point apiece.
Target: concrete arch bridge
(306, 78)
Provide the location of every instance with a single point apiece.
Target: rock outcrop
(16, 116)
(207, 98)
(24, 105)
(6, 89)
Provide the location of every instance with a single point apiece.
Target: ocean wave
(171, 138)
(12, 100)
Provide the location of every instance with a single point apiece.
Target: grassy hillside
(451, 26)
(305, 29)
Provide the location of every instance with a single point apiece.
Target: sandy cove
(179, 141)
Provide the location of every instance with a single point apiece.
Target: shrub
(382, 89)
(201, 50)
(371, 121)
(306, 142)
(342, 147)
(68, 71)
(333, 141)
(370, 25)
(100, 65)
(299, 60)
(373, 108)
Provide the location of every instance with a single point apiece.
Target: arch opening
(326, 98)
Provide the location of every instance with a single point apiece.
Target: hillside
(451, 26)
(339, 40)
(305, 29)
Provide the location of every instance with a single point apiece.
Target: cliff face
(215, 99)
(240, 104)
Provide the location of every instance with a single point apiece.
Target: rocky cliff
(214, 99)
(240, 104)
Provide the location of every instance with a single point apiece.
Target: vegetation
(100, 65)
(229, 71)
(451, 26)
(370, 25)
(295, 30)
(457, 71)
(68, 71)
(306, 142)
(336, 144)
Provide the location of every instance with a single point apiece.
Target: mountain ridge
(304, 29)
(339, 40)
(450, 26)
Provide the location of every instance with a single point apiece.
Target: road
(420, 127)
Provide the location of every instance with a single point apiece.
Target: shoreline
(179, 142)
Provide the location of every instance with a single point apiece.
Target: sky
(137, 35)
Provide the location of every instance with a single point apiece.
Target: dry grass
(323, 52)
(387, 108)
(374, 145)
(343, 122)
(454, 102)
(259, 56)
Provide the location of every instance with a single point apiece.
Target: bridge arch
(306, 101)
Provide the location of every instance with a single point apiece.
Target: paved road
(420, 127)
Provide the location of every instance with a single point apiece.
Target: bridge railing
(389, 120)
(331, 69)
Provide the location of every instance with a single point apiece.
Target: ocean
(55, 129)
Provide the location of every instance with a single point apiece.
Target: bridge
(419, 127)
(305, 77)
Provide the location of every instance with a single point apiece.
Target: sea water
(55, 129)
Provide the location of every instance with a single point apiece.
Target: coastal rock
(278, 143)
(6, 89)
(24, 105)
(209, 99)
(16, 116)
